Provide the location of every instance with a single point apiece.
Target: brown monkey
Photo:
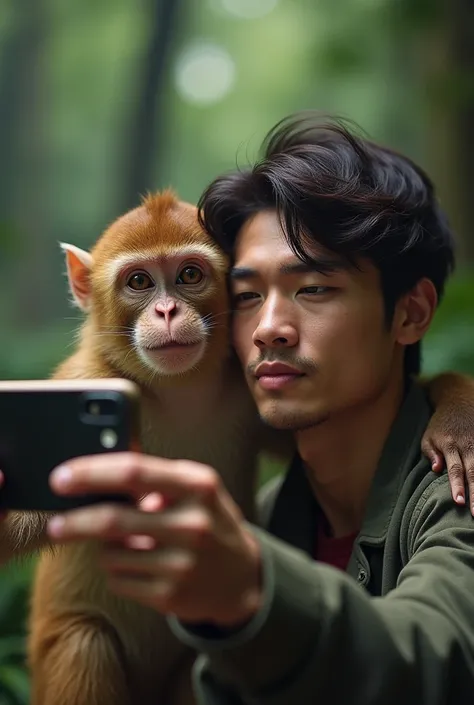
(155, 293)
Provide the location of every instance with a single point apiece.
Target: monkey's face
(155, 291)
(159, 293)
(170, 304)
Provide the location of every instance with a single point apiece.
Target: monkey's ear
(79, 265)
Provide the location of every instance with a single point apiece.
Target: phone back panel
(40, 429)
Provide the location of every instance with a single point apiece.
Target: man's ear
(79, 265)
(415, 312)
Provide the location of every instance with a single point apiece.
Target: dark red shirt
(335, 552)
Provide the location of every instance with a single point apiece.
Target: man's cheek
(242, 342)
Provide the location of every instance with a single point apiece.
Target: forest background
(103, 100)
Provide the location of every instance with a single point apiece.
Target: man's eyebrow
(237, 273)
(320, 265)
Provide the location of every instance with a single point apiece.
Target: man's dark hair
(347, 194)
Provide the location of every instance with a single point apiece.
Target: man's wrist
(243, 604)
(209, 635)
(251, 593)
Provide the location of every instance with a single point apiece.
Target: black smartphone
(45, 423)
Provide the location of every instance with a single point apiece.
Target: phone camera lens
(93, 408)
(101, 410)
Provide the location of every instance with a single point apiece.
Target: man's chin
(291, 420)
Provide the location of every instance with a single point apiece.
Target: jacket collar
(401, 453)
(295, 509)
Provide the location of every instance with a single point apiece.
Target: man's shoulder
(426, 509)
(431, 501)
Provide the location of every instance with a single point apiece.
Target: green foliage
(450, 343)
(14, 589)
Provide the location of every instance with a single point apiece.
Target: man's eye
(315, 290)
(245, 296)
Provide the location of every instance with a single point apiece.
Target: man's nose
(277, 326)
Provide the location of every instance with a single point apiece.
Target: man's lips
(275, 375)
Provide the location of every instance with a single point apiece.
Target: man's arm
(321, 638)
(449, 436)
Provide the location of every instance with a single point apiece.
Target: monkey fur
(141, 288)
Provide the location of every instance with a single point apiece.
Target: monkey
(154, 291)
(157, 311)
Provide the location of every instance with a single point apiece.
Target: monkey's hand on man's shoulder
(184, 550)
(449, 437)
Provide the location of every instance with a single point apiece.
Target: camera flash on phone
(108, 438)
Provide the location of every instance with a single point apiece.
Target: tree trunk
(145, 133)
(446, 53)
(462, 49)
(29, 196)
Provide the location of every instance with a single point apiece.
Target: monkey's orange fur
(87, 646)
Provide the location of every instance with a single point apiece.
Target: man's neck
(341, 456)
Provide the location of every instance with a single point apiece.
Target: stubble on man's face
(331, 327)
(281, 409)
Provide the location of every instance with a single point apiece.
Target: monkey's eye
(189, 275)
(140, 281)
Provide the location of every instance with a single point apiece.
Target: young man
(360, 589)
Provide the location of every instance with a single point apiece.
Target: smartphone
(45, 423)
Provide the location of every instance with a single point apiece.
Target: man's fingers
(179, 525)
(145, 589)
(456, 475)
(133, 473)
(152, 502)
(166, 562)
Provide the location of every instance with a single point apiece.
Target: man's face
(312, 345)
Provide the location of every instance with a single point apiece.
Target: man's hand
(184, 549)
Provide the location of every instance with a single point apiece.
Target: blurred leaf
(14, 592)
(10, 241)
(344, 57)
(416, 15)
(449, 344)
(14, 686)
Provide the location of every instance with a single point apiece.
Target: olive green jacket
(398, 627)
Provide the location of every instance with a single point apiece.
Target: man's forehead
(262, 234)
(258, 251)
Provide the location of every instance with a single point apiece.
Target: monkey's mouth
(172, 346)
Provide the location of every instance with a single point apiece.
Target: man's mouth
(276, 375)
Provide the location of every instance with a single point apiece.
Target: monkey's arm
(449, 436)
(449, 389)
(22, 533)
(76, 659)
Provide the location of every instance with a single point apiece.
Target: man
(360, 590)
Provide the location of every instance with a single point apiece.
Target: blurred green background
(102, 100)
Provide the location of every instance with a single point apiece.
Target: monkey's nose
(166, 310)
